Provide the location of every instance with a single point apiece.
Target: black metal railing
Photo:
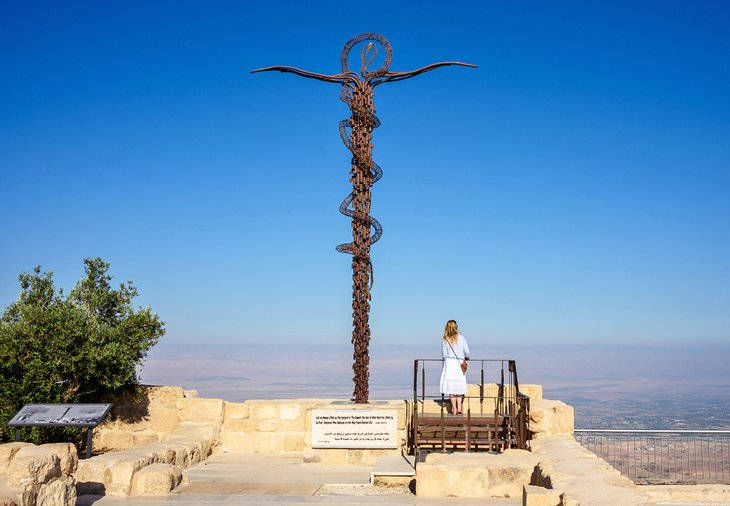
(496, 412)
(662, 457)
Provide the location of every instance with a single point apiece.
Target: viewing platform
(169, 446)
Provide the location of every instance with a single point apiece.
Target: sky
(573, 189)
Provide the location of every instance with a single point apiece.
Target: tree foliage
(84, 347)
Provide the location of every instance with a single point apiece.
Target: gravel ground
(362, 490)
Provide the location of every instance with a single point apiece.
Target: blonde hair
(451, 332)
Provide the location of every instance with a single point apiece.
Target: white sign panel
(354, 428)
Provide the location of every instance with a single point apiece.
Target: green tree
(85, 347)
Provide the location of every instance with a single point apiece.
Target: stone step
(393, 470)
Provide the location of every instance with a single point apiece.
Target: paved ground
(229, 478)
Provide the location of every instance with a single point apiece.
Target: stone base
(156, 479)
(581, 477)
(475, 474)
(684, 494)
(538, 496)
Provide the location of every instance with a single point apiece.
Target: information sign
(61, 415)
(69, 415)
(354, 428)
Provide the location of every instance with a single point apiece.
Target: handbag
(464, 366)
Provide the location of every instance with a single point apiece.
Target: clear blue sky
(575, 188)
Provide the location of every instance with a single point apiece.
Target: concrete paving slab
(394, 465)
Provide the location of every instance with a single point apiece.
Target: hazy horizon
(609, 386)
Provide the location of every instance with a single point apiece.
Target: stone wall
(284, 426)
(147, 418)
(254, 426)
(33, 475)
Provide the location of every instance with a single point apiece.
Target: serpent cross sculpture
(357, 93)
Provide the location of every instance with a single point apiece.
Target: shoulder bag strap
(452, 349)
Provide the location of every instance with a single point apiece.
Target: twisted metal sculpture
(357, 93)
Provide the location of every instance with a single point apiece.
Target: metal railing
(662, 457)
(496, 402)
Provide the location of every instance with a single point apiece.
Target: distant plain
(636, 387)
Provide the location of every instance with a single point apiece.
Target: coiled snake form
(356, 133)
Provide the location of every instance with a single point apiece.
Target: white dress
(453, 381)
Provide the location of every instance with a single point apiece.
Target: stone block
(199, 410)
(144, 438)
(438, 480)
(291, 417)
(67, 455)
(290, 411)
(367, 457)
(160, 453)
(235, 411)
(204, 436)
(266, 442)
(294, 442)
(267, 425)
(112, 439)
(59, 492)
(475, 474)
(533, 391)
(202, 431)
(90, 475)
(689, 494)
(8, 497)
(263, 410)
(194, 451)
(120, 471)
(33, 464)
(538, 496)
(312, 456)
(401, 423)
(7, 452)
(550, 418)
(236, 442)
(332, 456)
(163, 418)
(490, 390)
(155, 480)
(237, 425)
(165, 396)
(181, 454)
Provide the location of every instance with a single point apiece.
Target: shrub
(85, 347)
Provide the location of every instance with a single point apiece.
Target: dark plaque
(64, 415)
(61, 415)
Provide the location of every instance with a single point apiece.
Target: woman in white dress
(454, 350)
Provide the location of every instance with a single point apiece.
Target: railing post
(414, 418)
(443, 429)
(468, 429)
(415, 381)
(481, 389)
(423, 383)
